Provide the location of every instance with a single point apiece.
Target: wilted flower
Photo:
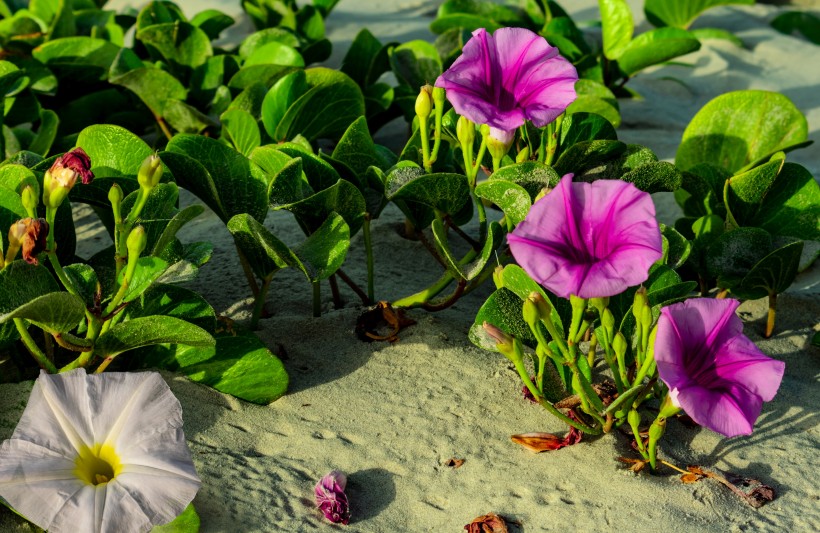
(509, 77)
(589, 239)
(63, 174)
(488, 523)
(714, 372)
(331, 498)
(30, 234)
(100, 452)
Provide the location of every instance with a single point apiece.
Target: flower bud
(523, 155)
(646, 317)
(498, 277)
(424, 103)
(499, 142)
(498, 335)
(634, 418)
(137, 241)
(619, 345)
(530, 312)
(657, 429)
(639, 303)
(150, 172)
(115, 195)
(608, 320)
(465, 130)
(63, 174)
(30, 200)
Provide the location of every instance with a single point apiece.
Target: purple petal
(331, 498)
(715, 373)
(589, 239)
(506, 78)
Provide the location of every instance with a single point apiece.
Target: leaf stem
(368, 248)
(33, 349)
(317, 299)
(259, 303)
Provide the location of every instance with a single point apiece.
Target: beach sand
(391, 415)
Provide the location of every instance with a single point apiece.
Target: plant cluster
(513, 171)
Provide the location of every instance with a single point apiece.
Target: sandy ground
(391, 415)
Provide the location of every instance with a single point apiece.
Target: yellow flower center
(97, 465)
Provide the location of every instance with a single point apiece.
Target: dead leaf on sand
(382, 323)
(454, 463)
(750, 490)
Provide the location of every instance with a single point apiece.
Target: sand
(391, 415)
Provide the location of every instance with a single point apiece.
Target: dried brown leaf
(382, 323)
(539, 442)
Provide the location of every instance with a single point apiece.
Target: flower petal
(730, 412)
(742, 362)
(157, 498)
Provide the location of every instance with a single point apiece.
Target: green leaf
(56, 312)
(657, 176)
(326, 110)
(773, 274)
(275, 53)
(186, 118)
(513, 199)
(701, 191)
(739, 127)
(360, 57)
(588, 155)
(804, 22)
(241, 129)
(791, 207)
(173, 300)
(250, 99)
(212, 22)
(324, 251)
(470, 15)
(14, 177)
(147, 331)
(154, 87)
(445, 192)
(702, 34)
(268, 35)
(732, 255)
(616, 20)
(676, 248)
(84, 278)
(21, 283)
(583, 126)
(187, 522)
(265, 253)
(416, 63)
(654, 47)
(159, 12)
(238, 365)
(743, 193)
(280, 98)
(79, 59)
(533, 176)
(266, 74)
(356, 149)
(182, 45)
(149, 269)
(681, 14)
(343, 198)
(705, 230)
(220, 176)
(502, 309)
(46, 133)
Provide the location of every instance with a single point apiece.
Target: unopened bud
(499, 142)
(137, 241)
(530, 313)
(608, 320)
(523, 155)
(150, 172)
(115, 195)
(498, 277)
(499, 336)
(465, 130)
(542, 304)
(657, 429)
(424, 102)
(619, 345)
(646, 317)
(639, 303)
(634, 418)
(30, 200)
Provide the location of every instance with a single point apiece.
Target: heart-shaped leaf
(513, 199)
(732, 255)
(241, 130)
(181, 45)
(220, 176)
(80, 59)
(85, 280)
(739, 127)
(56, 312)
(503, 310)
(416, 63)
(469, 15)
(743, 193)
(356, 149)
(173, 300)
(616, 21)
(676, 248)
(791, 207)
(212, 22)
(533, 176)
(773, 274)
(280, 97)
(154, 87)
(445, 192)
(147, 331)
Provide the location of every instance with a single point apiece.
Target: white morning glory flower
(100, 452)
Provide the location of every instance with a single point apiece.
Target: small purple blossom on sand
(509, 77)
(331, 498)
(714, 372)
(589, 239)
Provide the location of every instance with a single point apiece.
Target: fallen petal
(539, 442)
(331, 498)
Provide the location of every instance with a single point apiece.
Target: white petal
(77, 514)
(122, 513)
(36, 481)
(129, 407)
(166, 453)
(161, 498)
(57, 415)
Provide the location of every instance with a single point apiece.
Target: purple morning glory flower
(331, 498)
(508, 77)
(714, 372)
(589, 239)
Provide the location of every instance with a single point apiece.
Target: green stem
(436, 136)
(479, 158)
(246, 268)
(33, 349)
(259, 303)
(421, 297)
(317, 299)
(368, 248)
(424, 132)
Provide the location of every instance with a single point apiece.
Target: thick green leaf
(773, 274)
(360, 56)
(241, 129)
(275, 53)
(324, 251)
(266, 74)
(14, 177)
(445, 192)
(743, 193)
(702, 34)
(416, 63)
(513, 199)
(584, 126)
(588, 155)
(187, 522)
(732, 255)
(147, 331)
(503, 310)
(159, 12)
(681, 14)
(280, 97)
(149, 269)
(239, 365)
(616, 21)
(533, 176)
(46, 133)
(80, 59)
(657, 176)
(343, 198)
(173, 300)
(250, 99)
(265, 253)
(220, 176)
(676, 248)
(186, 118)
(655, 47)
(701, 191)
(356, 149)
(326, 110)
(737, 128)
(470, 15)
(154, 87)
(792, 205)
(180, 44)
(85, 280)
(56, 312)
(21, 283)
(804, 22)
(212, 22)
